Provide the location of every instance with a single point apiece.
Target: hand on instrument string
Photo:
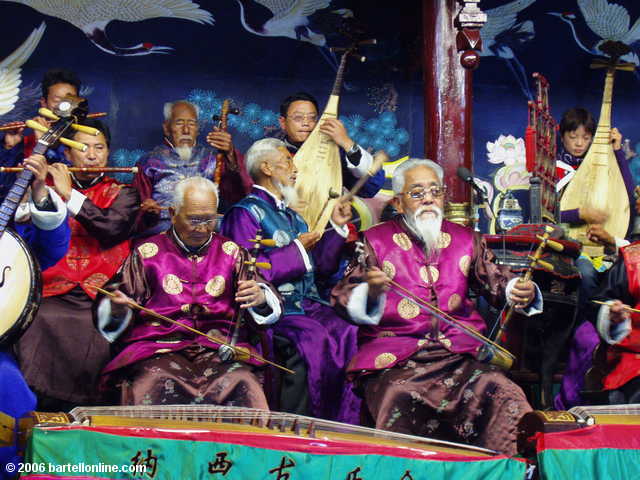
(522, 293)
(341, 213)
(61, 180)
(592, 215)
(338, 133)
(150, 206)
(616, 139)
(597, 233)
(13, 137)
(618, 312)
(378, 282)
(249, 294)
(38, 165)
(119, 303)
(309, 239)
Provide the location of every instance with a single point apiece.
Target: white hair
(200, 183)
(168, 108)
(397, 182)
(257, 152)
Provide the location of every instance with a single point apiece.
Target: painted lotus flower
(508, 150)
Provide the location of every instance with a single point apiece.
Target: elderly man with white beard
(418, 374)
(181, 156)
(310, 338)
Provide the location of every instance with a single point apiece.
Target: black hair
(575, 118)
(97, 124)
(297, 97)
(58, 75)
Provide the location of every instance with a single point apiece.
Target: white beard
(289, 193)
(426, 228)
(184, 153)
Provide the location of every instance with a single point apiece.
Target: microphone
(467, 177)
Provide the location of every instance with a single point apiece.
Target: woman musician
(577, 129)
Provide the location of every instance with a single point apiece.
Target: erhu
(222, 125)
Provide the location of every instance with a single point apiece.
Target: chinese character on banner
(353, 475)
(150, 462)
(283, 465)
(221, 465)
(406, 476)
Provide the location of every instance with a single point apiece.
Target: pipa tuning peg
(45, 112)
(84, 129)
(73, 144)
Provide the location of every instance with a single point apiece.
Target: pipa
(598, 182)
(318, 164)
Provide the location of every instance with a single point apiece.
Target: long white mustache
(184, 153)
(289, 193)
(427, 228)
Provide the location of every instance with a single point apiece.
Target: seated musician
(299, 116)
(418, 374)
(56, 84)
(180, 156)
(61, 354)
(577, 128)
(41, 222)
(199, 278)
(311, 338)
(619, 327)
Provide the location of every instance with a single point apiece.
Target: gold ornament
(148, 250)
(464, 264)
(389, 269)
(402, 240)
(215, 286)
(407, 309)
(384, 359)
(435, 274)
(454, 302)
(172, 284)
(230, 248)
(444, 240)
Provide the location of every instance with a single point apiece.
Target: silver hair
(185, 184)
(397, 182)
(256, 153)
(168, 108)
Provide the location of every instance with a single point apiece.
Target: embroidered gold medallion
(384, 359)
(386, 333)
(230, 248)
(454, 302)
(171, 284)
(402, 240)
(148, 250)
(407, 309)
(435, 274)
(215, 286)
(444, 240)
(464, 264)
(389, 269)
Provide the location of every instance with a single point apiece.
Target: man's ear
(265, 169)
(397, 204)
(43, 102)
(172, 212)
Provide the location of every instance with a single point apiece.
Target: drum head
(20, 287)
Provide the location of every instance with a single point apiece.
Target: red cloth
(87, 264)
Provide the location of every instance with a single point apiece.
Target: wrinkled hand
(618, 312)
(337, 131)
(150, 206)
(249, 294)
(616, 139)
(379, 283)
(522, 294)
(13, 137)
(119, 303)
(38, 165)
(220, 140)
(61, 180)
(592, 215)
(597, 233)
(341, 213)
(309, 239)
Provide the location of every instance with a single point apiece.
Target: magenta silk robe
(196, 289)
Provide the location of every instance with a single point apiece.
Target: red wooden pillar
(451, 38)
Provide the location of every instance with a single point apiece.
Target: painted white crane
(10, 77)
(93, 16)
(503, 32)
(610, 22)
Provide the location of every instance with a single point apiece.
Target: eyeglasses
(419, 192)
(299, 118)
(206, 222)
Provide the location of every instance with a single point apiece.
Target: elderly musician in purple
(199, 278)
(419, 374)
(311, 338)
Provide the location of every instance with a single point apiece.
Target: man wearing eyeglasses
(299, 116)
(198, 278)
(419, 374)
(310, 338)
